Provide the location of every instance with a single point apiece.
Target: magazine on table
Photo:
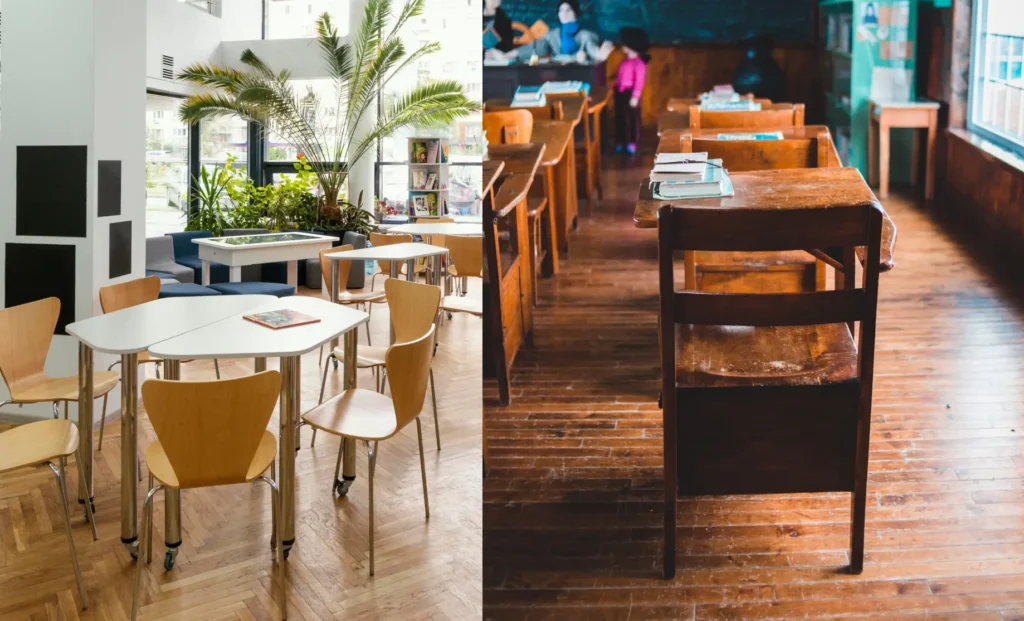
(284, 318)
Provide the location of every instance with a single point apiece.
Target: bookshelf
(868, 51)
(428, 177)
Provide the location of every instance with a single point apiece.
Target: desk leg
(410, 270)
(883, 161)
(288, 413)
(235, 273)
(333, 290)
(549, 226)
(85, 395)
(598, 162)
(293, 273)
(206, 273)
(172, 497)
(929, 156)
(129, 452)
(348, 472)
(915, 156)
(872, 153)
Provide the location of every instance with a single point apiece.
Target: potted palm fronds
(332, 143)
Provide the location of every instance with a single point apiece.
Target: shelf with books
(429, 159)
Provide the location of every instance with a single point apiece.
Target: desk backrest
(508, 126)
(740, 155)
(773, 116)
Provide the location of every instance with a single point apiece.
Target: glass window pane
(319, 97)
(166, 166)
(295, 19)
(997, 105)
(222, 137)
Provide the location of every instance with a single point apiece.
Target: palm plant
(360, 71)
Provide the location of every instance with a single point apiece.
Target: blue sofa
(186, 253)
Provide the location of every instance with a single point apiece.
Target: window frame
(975, 98)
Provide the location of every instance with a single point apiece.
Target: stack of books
(741, 105)
(568, 86)
(689, 175)
(753, 136)
(529, 97)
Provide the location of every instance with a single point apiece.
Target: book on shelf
(444, 154)
(711, 183)
(741, 105)
(753, 136)
(284, 318)
(432, 148)
(418, 153)
(431, 183)
(423, 204)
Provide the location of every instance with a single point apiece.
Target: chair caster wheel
(169, 559)
(133, 550)
(285, 553)
(341, 487)
(335, 365)
(449, 316)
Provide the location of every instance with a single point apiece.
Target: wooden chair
(45, 442)
(782, 406)
(414, 308)
(370, 416)
(210, 434)
(551, 111)
(467, 255)
(25, 334)
(384, 267)
(774, 116)
(358, 298)
(508, 126)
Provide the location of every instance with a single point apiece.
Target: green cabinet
(867, 51)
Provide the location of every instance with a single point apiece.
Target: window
(459, 59)
(282, 22)
(166, 166)
(997, 77)
(222, 137)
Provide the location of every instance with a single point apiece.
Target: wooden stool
(911, 114)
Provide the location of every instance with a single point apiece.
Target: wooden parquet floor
(572, 504)
(424, 570)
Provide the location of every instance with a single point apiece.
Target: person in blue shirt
(568, 39)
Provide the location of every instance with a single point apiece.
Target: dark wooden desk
(808, 146)
(796, 188)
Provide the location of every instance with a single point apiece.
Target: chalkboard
(683, 21)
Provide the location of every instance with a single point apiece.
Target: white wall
(299, 56)
(181, 31)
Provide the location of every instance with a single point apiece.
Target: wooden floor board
(424, 569)
(572, 504)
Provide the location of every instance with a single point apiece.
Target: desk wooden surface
(556, 136)
(599, 98)
(572, 107)
(520, 165)
(492, 170)
(797, 188)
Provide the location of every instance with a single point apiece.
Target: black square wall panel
(38, 271)
(51, 191)
(109, 181)
(120, 248)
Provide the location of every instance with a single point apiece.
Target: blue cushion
(254, 288)
(183, 246)
(218, 271)
(185, 290)
(159, 273)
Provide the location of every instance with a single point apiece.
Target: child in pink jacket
(629, 85)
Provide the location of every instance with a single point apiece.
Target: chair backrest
(508, 127)
(438, 240)
(408, 366)
(210, 430)
(25, 334)
(740, 155)
(382, 239)
(749, 230)
(467, 254)
(551, 111)
(774, 116)
(183, 246)
(344, 267)
(131, 293)
(413, 307)
(159, 249)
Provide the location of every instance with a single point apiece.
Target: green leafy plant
(360, 71)
(354, 218)
(210, 190)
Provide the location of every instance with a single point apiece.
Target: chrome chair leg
(273, 510)
(337, 466)
(65, 410)
(433, 398)
(149, 530)
(275, 495)
(58, 473)
(56, 411)
(312, 440)
(323, 382)
(216, 368)
(423, 467)
(367, 324)
(320, 357)
(371, 449)
(139, 565)
(103, 422)
(85, 494)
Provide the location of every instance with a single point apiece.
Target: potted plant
(360, 71)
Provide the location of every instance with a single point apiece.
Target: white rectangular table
(127, 333)
(241, 250)
(235, 337)
(440, 228)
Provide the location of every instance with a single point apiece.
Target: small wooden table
(916, 115)
(794, 188)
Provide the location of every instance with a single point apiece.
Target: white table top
(468, 219)
(135, 329)
(235, 337)
(440, 228)
(391, 252)
(258, 240)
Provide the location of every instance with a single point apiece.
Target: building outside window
(997, 74)
(295, 19)
(166, 166)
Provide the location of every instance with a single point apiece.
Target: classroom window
(166, 166)
(997, 74)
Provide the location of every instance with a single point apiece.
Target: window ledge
(990, 149)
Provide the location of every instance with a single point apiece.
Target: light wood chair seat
(352, 297)
(42, 388)
(367, 356)
(160, 467)
(456, 304)
(735, 356)
(35, 443)
(357, 413)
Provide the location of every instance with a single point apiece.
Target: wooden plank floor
(425, 570)
(573, 503)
